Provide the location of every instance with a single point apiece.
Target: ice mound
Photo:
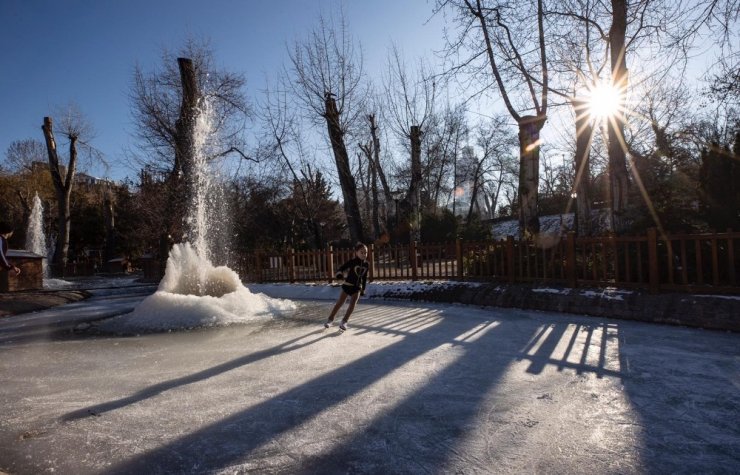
(194, 293)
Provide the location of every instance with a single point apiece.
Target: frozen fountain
(35, 236)
(194, 292)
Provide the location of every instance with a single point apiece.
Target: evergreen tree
(720, 185)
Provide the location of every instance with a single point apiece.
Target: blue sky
(54, 52)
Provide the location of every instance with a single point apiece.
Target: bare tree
(23, 157)
(579, 60)
(283, 144)
(724, 80)
(371, 151)
(486, 167)
(497, 143)
(653, 29)
(447, 133)
(645, 19)
(508, 40)
(165, 104)
(409, 105)
(326, 77)
(22, 154)
(75, 128)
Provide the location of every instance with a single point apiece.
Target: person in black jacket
(5, 232)
(354, 273)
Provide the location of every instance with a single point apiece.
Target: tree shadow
(234, 438)
(680, 388)
(421, 433)
(684, 386)
(542, 350)
(156, 389)
(424, 430)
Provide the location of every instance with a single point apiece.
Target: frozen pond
(410, 388)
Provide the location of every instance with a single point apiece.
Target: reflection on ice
(194, 293)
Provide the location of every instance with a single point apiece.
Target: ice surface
(57, 284)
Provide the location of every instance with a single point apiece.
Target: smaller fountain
(35, 237)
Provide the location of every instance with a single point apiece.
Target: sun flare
(604, 101)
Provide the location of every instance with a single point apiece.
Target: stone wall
(717, 312)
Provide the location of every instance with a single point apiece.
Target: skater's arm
(4, 262)
(363, 280)
(346, 266)
(342, 269)
(3, 259)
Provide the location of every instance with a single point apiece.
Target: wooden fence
(689, 263)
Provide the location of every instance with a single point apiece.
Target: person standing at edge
(6, 231)
(354, 272)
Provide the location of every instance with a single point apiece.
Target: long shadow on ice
(684, 386)
(156, 389)
(676, 413)
(234, 439)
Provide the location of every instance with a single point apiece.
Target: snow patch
(609, 293)
(726, 297)
(552, 291)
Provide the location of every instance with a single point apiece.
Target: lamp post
(396, 195)
(321, 237)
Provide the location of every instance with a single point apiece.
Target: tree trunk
(183, 187)
(582, 185)
(476, 187)
(618, 174)
(377, 228)
(376, 159)
(346, 180)
(364, 187)
(414, 193)
(110, 231)
(529, 174)
(372, 199)
(378, 174)
(63, 188)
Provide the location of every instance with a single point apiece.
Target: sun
(604, 101)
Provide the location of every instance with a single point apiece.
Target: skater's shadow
(291, 345)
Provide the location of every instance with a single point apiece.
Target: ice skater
(354, 272)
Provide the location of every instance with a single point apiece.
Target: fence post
(510, 257)
(731, 257)
(330, 263)
(292, 265)
(459, 258)
(653, 275)
(258, 267)
(414, 272)
(371, 261)
(570, 259)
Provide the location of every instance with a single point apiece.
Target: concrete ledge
(716, 312)
(15, 303)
